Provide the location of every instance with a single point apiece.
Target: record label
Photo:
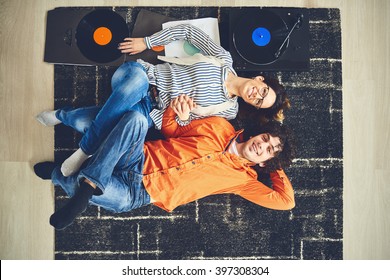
(99, 33)
(259, 35)
(102, 36)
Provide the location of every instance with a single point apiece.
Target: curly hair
(282, 159)
(261, 116)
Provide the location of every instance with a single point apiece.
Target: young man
(200, 159)
(140, 86)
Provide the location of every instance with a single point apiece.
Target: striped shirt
(202, 81)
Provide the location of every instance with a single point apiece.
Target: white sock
(48, 118)
(73, 163)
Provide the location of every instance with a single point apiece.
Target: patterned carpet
(227, 226)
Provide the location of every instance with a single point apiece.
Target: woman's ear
(259, 78)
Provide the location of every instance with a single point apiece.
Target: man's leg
(79, 119)
(130, 86)
(123, 151)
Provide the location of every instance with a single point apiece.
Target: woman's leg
(79, 119)
(130, 86)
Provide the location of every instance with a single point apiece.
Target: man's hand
(182, 106)
(132, 45)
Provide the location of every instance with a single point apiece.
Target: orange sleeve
(170, 128)
(281, 197)
(200, 127)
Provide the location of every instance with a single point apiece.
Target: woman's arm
(132, 45)
(187, 32)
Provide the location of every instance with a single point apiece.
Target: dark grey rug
(226, 226)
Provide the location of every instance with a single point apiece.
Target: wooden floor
(27, 88)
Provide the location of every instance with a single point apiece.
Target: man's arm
(180, 107)
(281, 197)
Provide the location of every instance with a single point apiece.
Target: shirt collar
(246, 162)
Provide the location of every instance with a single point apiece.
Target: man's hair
(248, 112)
(281, 159)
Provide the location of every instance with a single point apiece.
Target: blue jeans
(130, 86)
(116, 167)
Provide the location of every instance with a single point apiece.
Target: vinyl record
(258, 36)
(99, 33)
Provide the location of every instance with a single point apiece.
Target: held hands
(132, 45)
(182, 106)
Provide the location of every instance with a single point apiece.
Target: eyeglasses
(263, 93)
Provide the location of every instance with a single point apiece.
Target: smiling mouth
(251, 93)
(254, 147)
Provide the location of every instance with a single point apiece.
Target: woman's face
(257, 93)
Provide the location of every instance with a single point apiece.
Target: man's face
(261, 148)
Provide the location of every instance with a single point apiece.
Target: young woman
(208, 78)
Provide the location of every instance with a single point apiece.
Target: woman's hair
(282, 159)
(249, 113)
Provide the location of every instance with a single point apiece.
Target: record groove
(99, 33)
(258, 36)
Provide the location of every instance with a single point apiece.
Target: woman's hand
(132, 45)
(182, 106)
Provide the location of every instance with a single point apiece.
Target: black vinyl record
(99, 33)
(259, 35)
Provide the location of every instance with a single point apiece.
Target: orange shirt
(193, 163)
